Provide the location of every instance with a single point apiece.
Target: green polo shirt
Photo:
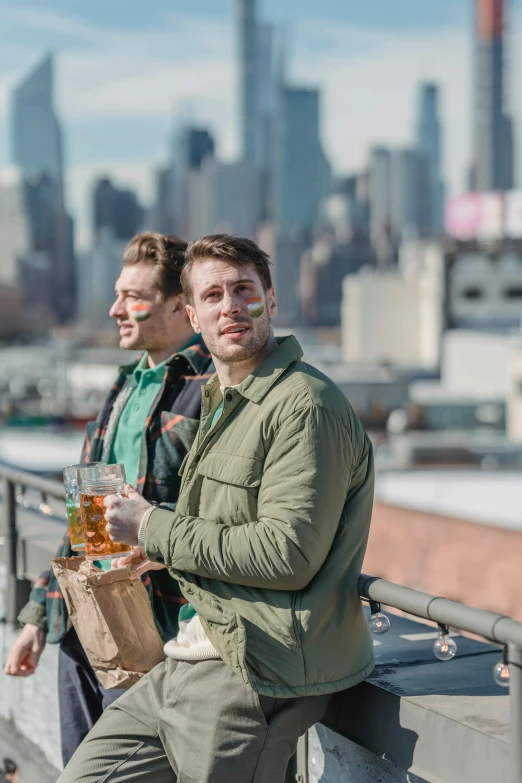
(126, 444)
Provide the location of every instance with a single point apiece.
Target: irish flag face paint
(255, 306)
(140, 312)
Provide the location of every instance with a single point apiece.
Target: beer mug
(96, 482)
(72, 505)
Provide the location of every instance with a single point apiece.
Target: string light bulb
(379, 623)
(444, 648)
(501, 671)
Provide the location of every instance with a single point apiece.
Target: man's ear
(193, 318)
(179, 304)
(271, 302)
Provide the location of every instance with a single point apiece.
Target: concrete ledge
(446, 722)
(29, 724)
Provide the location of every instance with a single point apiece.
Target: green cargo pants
(193, 723)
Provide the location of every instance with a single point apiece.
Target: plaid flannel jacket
(168, 432)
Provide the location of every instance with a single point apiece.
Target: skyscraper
(493, 132)
(410, 194)
(429, 144)
(380, 192)
(191, 147)
(220, 198)
(301, 168)
(249, 81)
(116, 209)
(161, 216)
(37, 143)
(37, 153)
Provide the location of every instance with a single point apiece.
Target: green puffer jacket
(269, 534)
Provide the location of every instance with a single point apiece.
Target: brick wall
(475, 564)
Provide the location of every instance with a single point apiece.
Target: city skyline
(108, 131)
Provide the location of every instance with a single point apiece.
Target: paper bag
(112, 616)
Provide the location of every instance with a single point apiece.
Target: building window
(473, 293)
(515, 292)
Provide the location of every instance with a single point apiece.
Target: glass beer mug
(72, 505)
(96, 482)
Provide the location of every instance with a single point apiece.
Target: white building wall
(477, 363)
(514, 399)
(396, 316)
(380, 319)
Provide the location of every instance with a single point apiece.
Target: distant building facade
(37, 153)
(493, 164)
(429, 144)
(220, 198)
(116, 209)
(301, 170)
(410, 192)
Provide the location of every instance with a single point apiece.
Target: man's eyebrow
(220, 285)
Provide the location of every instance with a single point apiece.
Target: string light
(501, 671)
(379, 623)
(444, 648)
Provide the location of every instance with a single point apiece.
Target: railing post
(302, 759)
(515, 696)
(11, 542)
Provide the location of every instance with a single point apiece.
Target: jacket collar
(260, 381)
(197, 356)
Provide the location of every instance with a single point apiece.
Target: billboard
(513, 218)
(491, 221)
(462, 218)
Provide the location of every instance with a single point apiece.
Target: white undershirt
(192, 643)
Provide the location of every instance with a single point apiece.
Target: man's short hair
(165, 253)
(225, 247)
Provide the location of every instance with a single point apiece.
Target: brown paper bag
(113, 619)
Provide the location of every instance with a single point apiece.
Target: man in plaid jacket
(148, 422)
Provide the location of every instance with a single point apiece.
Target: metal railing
(11, 479)
(493, 627)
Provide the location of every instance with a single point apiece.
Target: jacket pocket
(231, 469)
(230, 485)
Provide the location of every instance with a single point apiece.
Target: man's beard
(241, 353)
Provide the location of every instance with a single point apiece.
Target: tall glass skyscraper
(37, 154)
(429, 144)
(249, 80)
(300, 167)
(37, 144)
(493, 133)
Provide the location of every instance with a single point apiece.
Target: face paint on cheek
(255, 306)
(140, 312)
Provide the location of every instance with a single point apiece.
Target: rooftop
(485, 497)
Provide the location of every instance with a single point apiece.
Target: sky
(125, 70)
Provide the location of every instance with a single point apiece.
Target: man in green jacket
(267, 543)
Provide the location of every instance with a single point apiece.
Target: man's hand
(25, 652)
(124, 515)
(138, 561)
